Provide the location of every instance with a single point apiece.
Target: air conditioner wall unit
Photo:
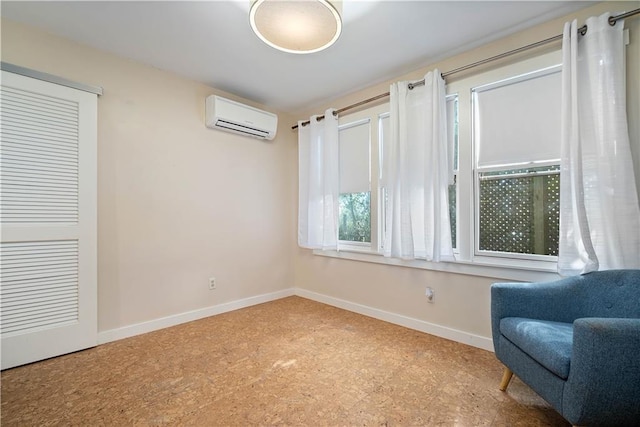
(231, 116)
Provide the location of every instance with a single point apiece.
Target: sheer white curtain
(599, 212)
(416, 173)
(318, 174)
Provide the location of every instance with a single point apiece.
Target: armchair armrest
(604, 377)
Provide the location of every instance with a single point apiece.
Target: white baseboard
(398, 319)
(176, 319)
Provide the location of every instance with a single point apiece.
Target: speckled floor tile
(288, 362)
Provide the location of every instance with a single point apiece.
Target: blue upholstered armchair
(575, 342)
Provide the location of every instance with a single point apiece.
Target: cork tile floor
(287, 362)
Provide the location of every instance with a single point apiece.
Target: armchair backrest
(611, 293)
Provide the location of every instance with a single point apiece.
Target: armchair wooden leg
(506, 378)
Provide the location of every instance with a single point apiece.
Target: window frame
(370, 115)
(468, 173)
(548, 64)
(455, 166)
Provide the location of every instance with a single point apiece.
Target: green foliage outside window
(355, 217)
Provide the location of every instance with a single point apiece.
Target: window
(358, 226)
(452, 133)
(355, 194)
(516, 137)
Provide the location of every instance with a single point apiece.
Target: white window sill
(509, 269)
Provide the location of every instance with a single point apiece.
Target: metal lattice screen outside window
(519, 211)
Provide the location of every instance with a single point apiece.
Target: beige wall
(177, 202)
(462, 301)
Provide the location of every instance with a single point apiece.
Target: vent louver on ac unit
(230, 116)
(233, 127)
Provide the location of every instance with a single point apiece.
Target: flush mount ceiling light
(296, 26)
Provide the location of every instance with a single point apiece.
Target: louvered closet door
(48, 214)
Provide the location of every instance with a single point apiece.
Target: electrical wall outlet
(212, 283)
(430, 295)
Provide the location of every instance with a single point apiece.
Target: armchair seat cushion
(549, 343)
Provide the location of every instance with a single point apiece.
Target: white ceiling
(212, 42)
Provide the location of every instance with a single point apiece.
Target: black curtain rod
(582, 30)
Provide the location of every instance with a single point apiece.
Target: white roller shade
(452, 131)
(518, 120)
(354, 157)
(384, 129)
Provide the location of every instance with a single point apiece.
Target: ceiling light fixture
(296, 26)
